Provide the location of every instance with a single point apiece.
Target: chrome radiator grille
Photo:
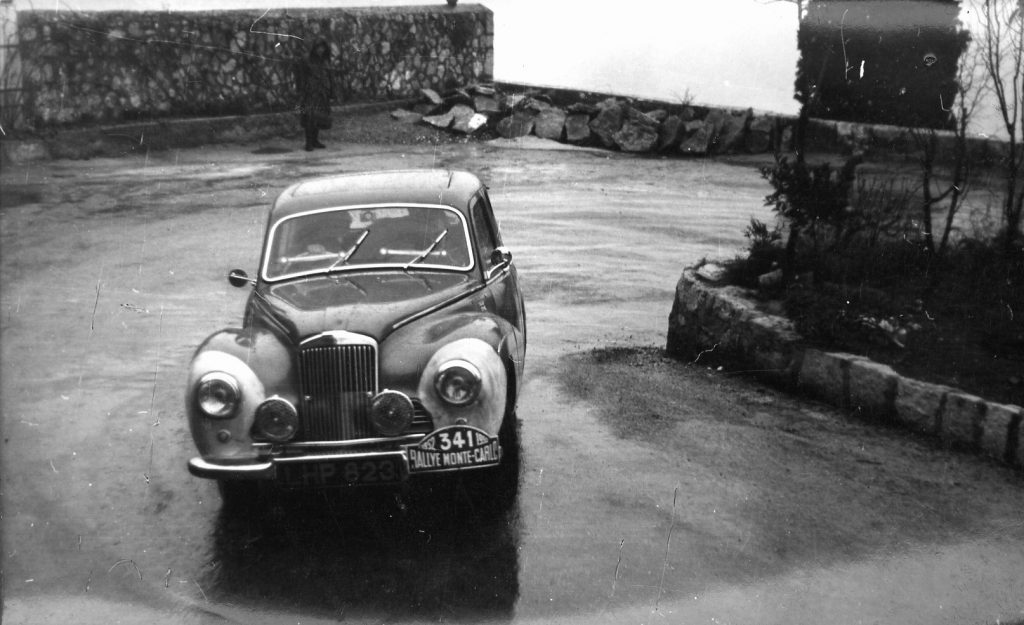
(337, 384)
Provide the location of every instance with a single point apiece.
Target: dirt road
(653, 490)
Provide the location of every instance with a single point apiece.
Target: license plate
(386, 470)
(452, 448)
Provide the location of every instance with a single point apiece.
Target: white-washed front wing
(225, 438)
(488, 408)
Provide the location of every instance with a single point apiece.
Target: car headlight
(458, 382)
(277, 420)
(217, 394)
(391, 412)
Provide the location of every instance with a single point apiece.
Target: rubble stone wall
(124, 66)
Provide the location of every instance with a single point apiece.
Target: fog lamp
(217, 394)
(276, 420)
(391, 413)
(458, 382)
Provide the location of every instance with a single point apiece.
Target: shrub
(813, 201)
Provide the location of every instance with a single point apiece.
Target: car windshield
(336, 239)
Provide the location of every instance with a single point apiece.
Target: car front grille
(337, 382)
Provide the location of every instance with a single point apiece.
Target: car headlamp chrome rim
(277, 420)
(217, 394)
(458, 382)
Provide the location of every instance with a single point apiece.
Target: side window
(483, 230)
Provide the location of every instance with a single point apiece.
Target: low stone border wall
(725, 321)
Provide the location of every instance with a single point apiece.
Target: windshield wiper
(342, 256)
(426, 252)
(352, 250)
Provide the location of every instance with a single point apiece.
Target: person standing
(315, 85)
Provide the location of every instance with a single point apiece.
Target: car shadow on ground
(437, 548)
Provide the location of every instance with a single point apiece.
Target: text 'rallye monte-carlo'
(384, 338)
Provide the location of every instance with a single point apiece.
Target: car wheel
(494, 491)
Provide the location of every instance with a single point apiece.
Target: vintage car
(384, 339)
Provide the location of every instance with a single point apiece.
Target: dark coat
(314, 82)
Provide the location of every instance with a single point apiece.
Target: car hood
(365, 303)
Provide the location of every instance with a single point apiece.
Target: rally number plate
(379, 470)
(453, 447)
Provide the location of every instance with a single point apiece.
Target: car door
(503, 296)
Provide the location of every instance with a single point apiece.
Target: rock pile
(614, 123)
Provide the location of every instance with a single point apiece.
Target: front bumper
(452, 448)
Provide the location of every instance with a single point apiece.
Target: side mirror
(501, 256)
(239, 278)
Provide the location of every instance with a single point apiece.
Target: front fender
(262, 367)
(488, 410)
(411, 356)
(405, 353)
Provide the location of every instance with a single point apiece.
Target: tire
(495, 490)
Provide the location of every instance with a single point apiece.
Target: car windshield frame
(401, 263)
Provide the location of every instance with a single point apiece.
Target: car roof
(412, 186)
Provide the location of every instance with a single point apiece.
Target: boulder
(461, 116)
(518, 124)
(715, 120)
(711, 272)
(511, 101)
(486, 104)
(426, 108)
(687, 114)
(607, 123)
(759, 135)
(458, 96)
(638, 133)
(658, 115)
(670, 132)
(403, 115)
(549, 124)
(731, 134)
(582, 108)
(535, 103)
(698, 140)
(477, 121)
(692, 126)
(444, 120)
(577, 127)
(432, 96)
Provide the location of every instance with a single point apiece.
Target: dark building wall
(119, 66)
(881, 61)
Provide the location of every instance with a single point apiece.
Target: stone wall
(112, 67)
(710, 322)
(650, 126)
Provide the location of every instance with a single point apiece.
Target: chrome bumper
(210, 470)
(267, 469)
(451, 448)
